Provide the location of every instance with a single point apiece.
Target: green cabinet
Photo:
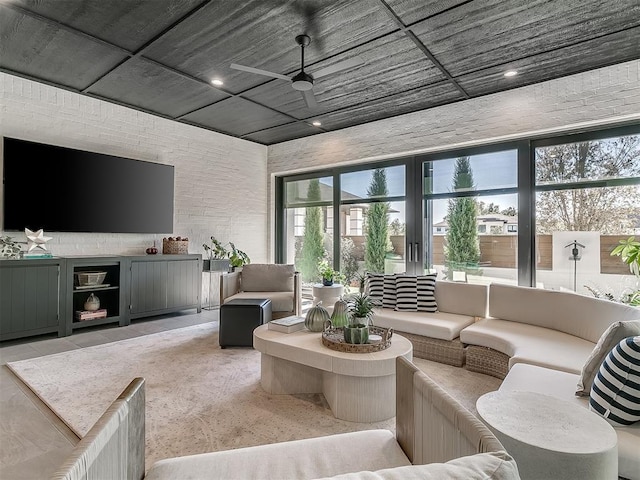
(31, 293)
(164, 284)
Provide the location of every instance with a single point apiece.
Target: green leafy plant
(326, 270)
(361, 305)
(215, 251)
(629, 251)
(238, 258)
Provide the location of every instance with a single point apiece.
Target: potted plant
(361, 312)
(326, 272)
(237, 258)
(218, 256)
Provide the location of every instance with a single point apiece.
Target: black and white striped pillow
(426, 286)
(389, 292)
(616, 389)
(374, 286)
(406, 293)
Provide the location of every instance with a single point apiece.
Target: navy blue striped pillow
(406, 293)
(389, 292)
(616, 389)
(374, 286)
(427, 293)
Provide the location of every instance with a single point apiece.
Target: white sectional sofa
(435, 438)
(435, 336)
(548, 328)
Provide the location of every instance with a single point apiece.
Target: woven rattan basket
(174, 247)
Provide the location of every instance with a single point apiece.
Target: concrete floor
(33, 441)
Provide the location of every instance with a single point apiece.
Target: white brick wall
(606, 96)
(220, 181)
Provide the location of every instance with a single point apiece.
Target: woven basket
(174, 247)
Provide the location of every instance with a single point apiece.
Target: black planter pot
(327, 283)
(218, 265)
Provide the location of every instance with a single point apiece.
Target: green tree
(609, 210)
(312, 249)
(377, 241)
(397, 227)
(462, 246)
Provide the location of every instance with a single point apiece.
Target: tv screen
(62, 189)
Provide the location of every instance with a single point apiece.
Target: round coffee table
(551, 438)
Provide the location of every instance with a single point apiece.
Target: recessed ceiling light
(316, 123)
(217, 82)
(510, 73)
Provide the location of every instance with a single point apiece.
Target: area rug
(199, 397)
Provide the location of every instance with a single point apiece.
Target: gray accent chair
(279, 283)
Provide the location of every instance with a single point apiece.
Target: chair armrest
(297, 294)
(229, 285)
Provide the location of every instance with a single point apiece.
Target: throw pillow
(406, 293)
(609, 339)
(616, 390)
(389, 292)
(374, 286)
(427, 293)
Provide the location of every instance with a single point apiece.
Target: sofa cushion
(265, 277)
(441, 325)
(531, 344)
(464, 298)
(297, 459)
(568, 312)
(610, 338)
(531, 378)
(482, 466)
(616, 389)
(406, 293)
(280, 301)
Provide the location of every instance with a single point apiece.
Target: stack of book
(287, 324)
(82, 315)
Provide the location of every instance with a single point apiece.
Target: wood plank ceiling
(160, 56)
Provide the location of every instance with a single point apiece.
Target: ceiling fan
(303, 81)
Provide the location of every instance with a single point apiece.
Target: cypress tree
(377, 240)
(462, 249)
(312, 248)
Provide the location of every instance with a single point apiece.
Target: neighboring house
(488, 224)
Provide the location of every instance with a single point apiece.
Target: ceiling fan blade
(259, 72)
(310, 99)
(345, 64)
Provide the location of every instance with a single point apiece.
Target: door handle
(417, 252)
(410, 252)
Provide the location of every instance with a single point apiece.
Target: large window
(537, 212)
(587, 200)
(470, 203)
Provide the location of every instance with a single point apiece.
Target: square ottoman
(239, 318)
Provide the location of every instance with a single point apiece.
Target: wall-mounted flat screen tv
(62, 189)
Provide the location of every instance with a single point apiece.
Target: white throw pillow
(389, 292)
(427, 293)
(610, 338)
(616, 390)
(374, 286)
(406, 293)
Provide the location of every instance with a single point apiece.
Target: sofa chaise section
(548, 328)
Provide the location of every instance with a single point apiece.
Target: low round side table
(551, 438)
(328, 295)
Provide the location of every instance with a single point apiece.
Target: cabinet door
(184, 283)
(148, 286)
(28, 300)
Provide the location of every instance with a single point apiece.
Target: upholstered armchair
(279, 283)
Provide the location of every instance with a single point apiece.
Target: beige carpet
(200, 398)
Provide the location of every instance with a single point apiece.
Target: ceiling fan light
(302, 82)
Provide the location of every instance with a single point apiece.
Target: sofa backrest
(431, 425)
(266, 277)
(568, 312)
(114, 447)
(462, 298)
